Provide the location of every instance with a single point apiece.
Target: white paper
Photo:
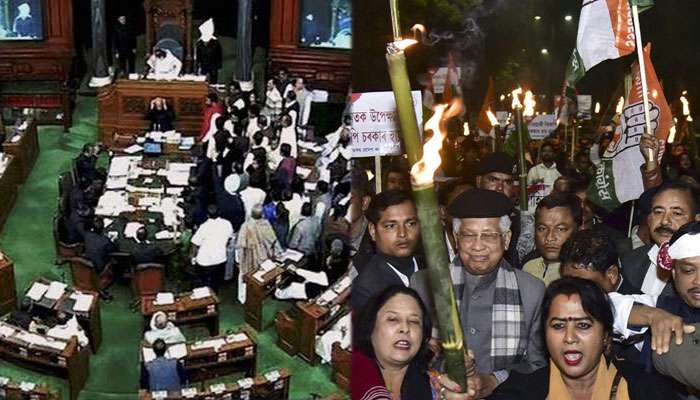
(6, 330)
(304, 172)
(56, 290)
(319, 96)
(237, 337)
(327, 297)
(134, 148)
(116, 182)
(200, 293)
(342, 284)
(310, 186)
(218, 388)
(107, 222)
(268, 265)
(246, 383)
(188, 392)
(259, 276)
(27, 386)
(164, 298)
(215, 343)
(160, 394)
(131, 228)
(272, 376)
(291, 254)
(4, 380)
(37, 291)
(83, 302)
(177, 351)
(164, 235)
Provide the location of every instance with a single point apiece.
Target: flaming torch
(496, 129)
(422, 173)
(396, 58)
(688, 120)
(518, 107)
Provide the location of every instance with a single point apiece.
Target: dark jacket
(374, 278)
(146, 253)
(123, 39)
(634, 268)
(97, 249)
(231, 206)
(209, 56)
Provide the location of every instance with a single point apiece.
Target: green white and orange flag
(605, 32)
(618, 178)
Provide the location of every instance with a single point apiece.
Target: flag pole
(643, 73)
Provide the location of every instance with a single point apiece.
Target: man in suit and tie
(673, 204)
(145, 252)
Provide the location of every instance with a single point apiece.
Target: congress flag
(618, 177)
(605, 32)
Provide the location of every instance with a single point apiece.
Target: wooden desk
(341, 360)
(70, 363)
(185, 311)
(40, 96)
(25, 149)
(122, 106)
(90, 321)
(12, 390)
(204, 363)
(256, 292)
(298, 327)
(9, 179)
(262, 389)
(8, 292)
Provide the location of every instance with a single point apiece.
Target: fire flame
(689, 118)
(620, 104)
(515, 103)
(686, 105)
(671, 134)
(503, 97)
(597, 107)
(492, 118)
(529, 104)
(466, 129)
(418, 28)
(423, 171)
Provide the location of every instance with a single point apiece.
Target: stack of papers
(342, 284)
(215, 343)
(188, 392)
(186, 143)
(245, 383)
(237, 337)
(272, 376)
(27, 386)
(37, 291)
(133, 149)
(268, 265)
(177, 351)
(218, 388)
(178, 178)
(83, 302)
(164, 298)
(56, 290)
(159, 394)
(120, 166)
(309, 186)
(260, 275)
(116, 182)
(200, 293)
(6, 330)
(304, 172)
(327, 297)
(293, 255)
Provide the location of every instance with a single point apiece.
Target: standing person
(208, 56)
(498, 305)
(557, 217)
(162, 373)
(124, 46)
(394, 228)
(210, 243)
(212, 106)
(545, 172)
(256, 243)
(304, 97)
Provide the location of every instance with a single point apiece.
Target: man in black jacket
(124, 46)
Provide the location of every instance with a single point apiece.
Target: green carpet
(114, 371)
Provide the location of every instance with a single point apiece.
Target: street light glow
(568, 18)
(537, 18)
(544, 51)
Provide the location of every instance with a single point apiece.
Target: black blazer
(634, 268)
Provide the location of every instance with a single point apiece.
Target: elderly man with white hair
(499, 306)
(163, 329)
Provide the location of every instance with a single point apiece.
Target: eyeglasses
(486, 237)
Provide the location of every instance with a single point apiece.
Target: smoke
(467, 44)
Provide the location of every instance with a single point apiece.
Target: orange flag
(483, 124)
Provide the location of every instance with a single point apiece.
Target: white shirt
(294, 208)
(652, 285)
(251, 197)
(69, 329)
(622, 305)
(546, 175)
(212, 237)
(170, 334)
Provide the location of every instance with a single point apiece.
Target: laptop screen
(152, 148)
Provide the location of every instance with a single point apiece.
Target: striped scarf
(508, 330)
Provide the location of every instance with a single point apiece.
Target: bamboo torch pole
(453, 343)
(520, 122)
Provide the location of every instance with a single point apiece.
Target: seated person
(162, 373)
(163, 64)
(162, 329)
(98, 248)
(160, 116)
(22, 317)
(66, 327)
(145, 252)
(577, 323)
(85, 164)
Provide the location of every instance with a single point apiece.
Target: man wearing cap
(673, 205)
(496, 172)
(228, 200)
(499, 306)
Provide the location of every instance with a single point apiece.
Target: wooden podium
(8, 293)
(123, 105)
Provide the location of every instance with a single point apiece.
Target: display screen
(326, 23)
(21, 20)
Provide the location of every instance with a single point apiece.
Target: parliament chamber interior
(167, 168)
